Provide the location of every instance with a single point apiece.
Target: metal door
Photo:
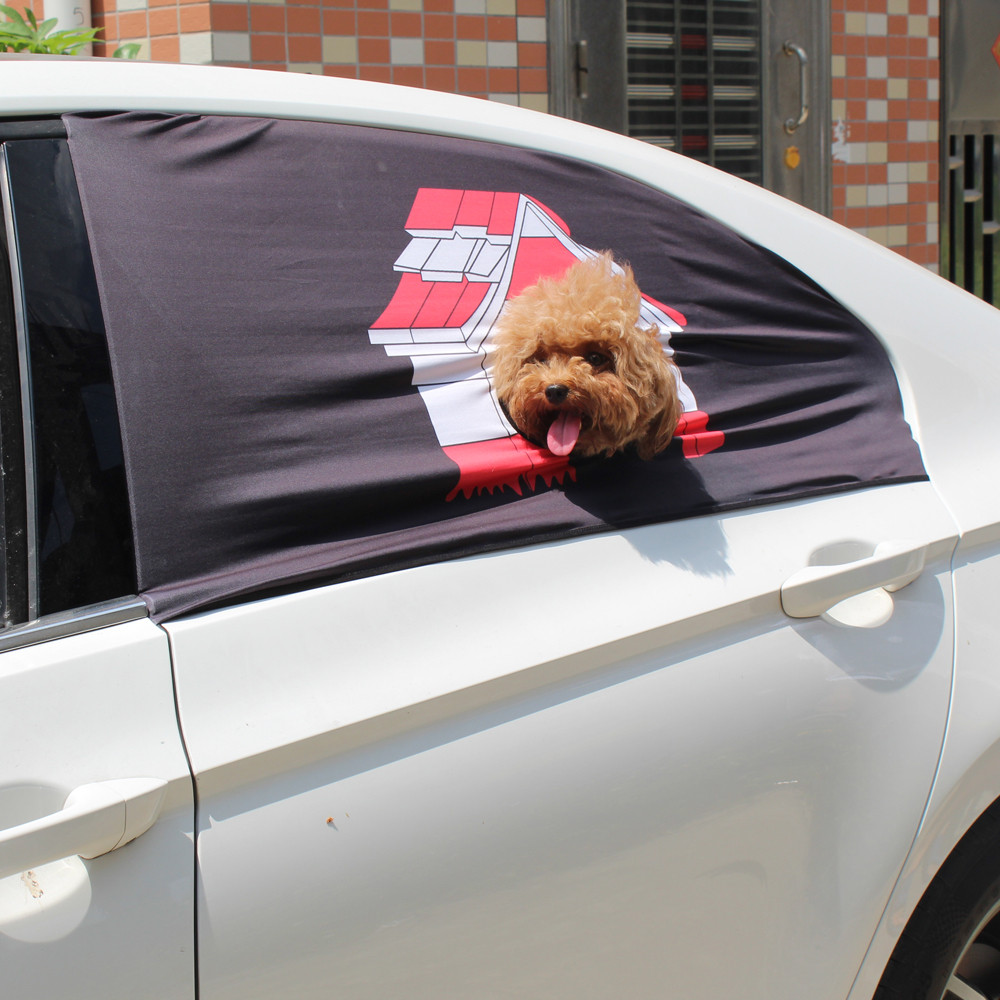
(971, 152)
(740, 84)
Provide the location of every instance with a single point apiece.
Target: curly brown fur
(576, 373)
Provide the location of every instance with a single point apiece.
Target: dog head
(575, 371)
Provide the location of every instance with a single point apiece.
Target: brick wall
(886, 74)
(484, 48)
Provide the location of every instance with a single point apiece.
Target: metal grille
(694, 80)
(972, 206)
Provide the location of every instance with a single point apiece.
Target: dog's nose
(556, 394)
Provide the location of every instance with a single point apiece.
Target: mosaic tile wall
(484, 48)
(886, 74)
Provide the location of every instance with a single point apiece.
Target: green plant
(23, 33)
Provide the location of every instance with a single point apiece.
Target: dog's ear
(660, 429)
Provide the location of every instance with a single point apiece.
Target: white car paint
(456, 781)
(511, 806)
(76, 710)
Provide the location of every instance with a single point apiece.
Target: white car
(318, 679)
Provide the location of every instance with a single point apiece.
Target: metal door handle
(791, 49)
(95, 819)
(811, 591)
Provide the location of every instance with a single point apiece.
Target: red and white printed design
(469, 252)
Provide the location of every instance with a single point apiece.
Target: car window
(302, 315)
(77, 529)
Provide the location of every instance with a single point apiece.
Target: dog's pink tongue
(563, 433)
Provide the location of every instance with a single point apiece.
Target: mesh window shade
(299, 318)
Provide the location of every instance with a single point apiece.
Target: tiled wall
(886, 73)
(485, 48)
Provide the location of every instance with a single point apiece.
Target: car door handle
(815, 589)
(95, 819)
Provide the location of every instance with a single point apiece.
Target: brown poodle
(575, 372)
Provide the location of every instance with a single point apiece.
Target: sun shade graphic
(469, 252)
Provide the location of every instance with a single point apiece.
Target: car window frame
(23, 620)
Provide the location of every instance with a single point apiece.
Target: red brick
(440, 78)
(133, 24)
(110, 24)
(857, 173)
(470, 28)
(163, 22)
(877, 173)
(165, 49)
(856, 218)
(898, 215)
(854, 45)
(501, 29)
(305, 48)
(196, 17)
(267, 48)
(373, 25)
(439, 26)
(502, 80)
(268, 18)
(471, 80)
(531, 54)
(380, 74)
(877, 45)
(404, 24)
(373, 50)
(304, 21)
(532, 81)
(439, 53)
(230, 17)
(338, 22)
(408, 76)
(896, 46)
(878, 215)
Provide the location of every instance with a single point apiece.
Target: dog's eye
(597, 360)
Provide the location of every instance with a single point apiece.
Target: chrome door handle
(791, 49)
(815, 589)
(95, 819)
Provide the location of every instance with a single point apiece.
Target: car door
(96, 809)
(611, 766)
(608, 728)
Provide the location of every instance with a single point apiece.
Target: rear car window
(76, 529)
(300, 317)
